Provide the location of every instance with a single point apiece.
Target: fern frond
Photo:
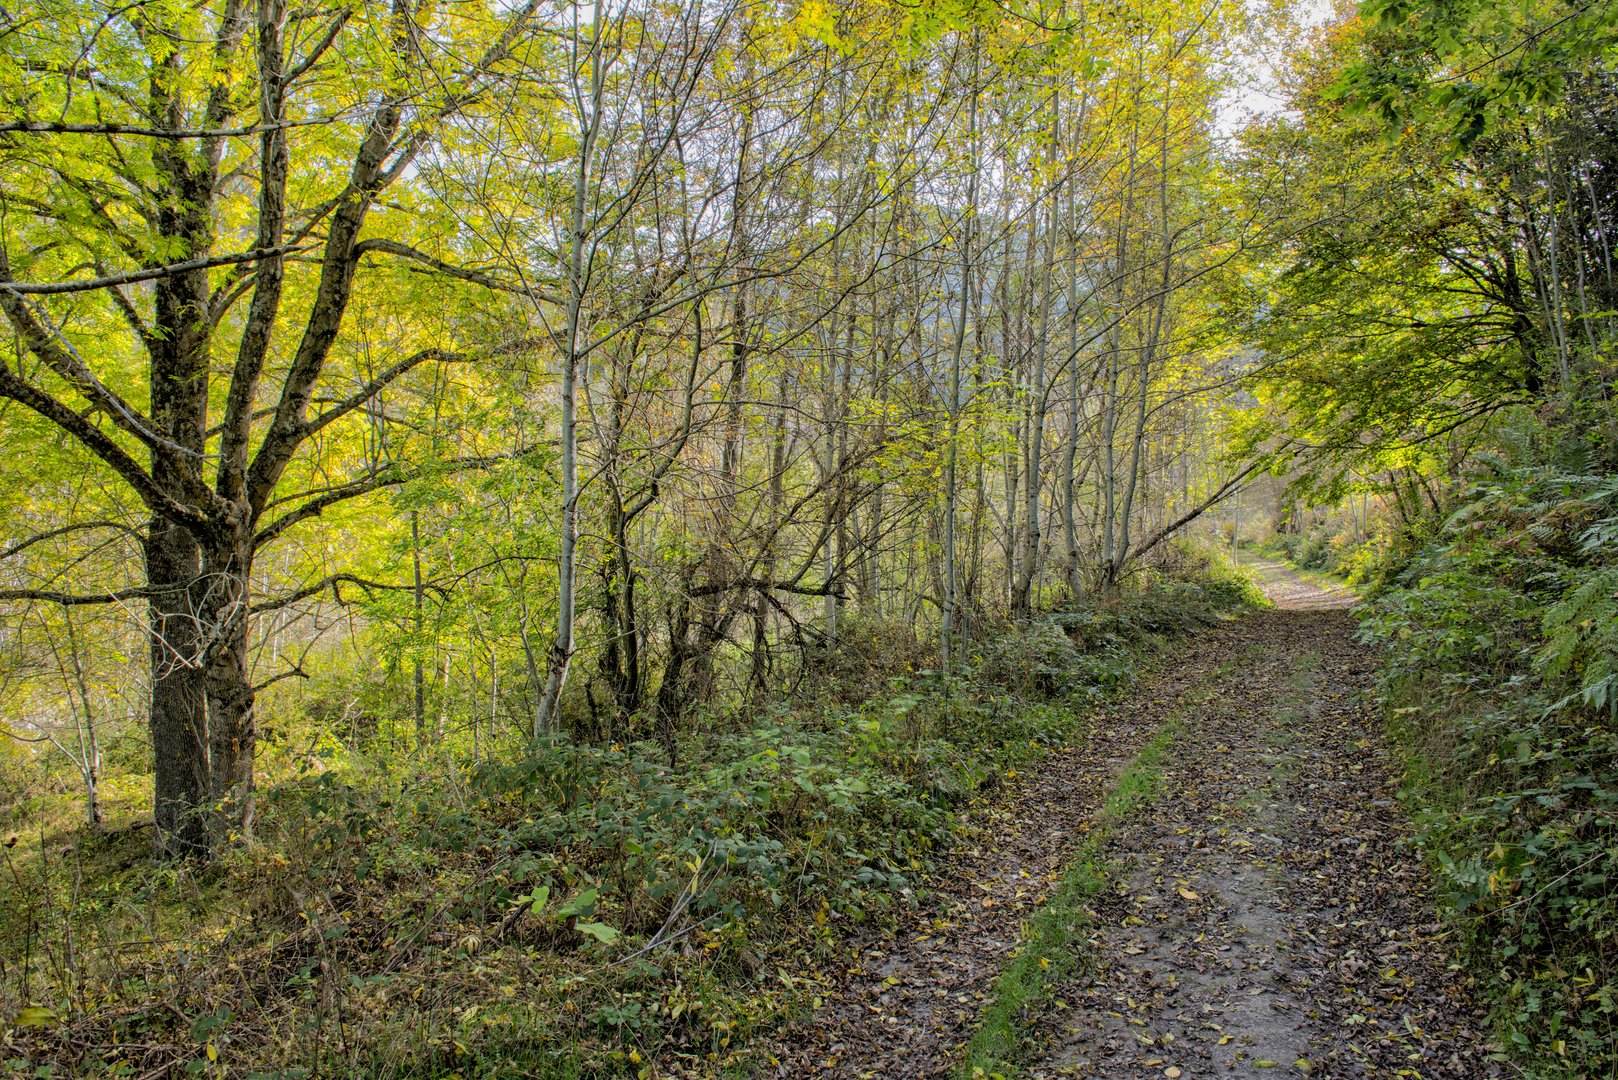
(1581, 637)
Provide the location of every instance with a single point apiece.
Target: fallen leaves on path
(911, 1001)
(1271, 916)
(1276, 917)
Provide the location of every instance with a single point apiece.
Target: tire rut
(1268, 915)
(910, 1000)
(1275, 919)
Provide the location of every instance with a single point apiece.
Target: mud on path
(1265, 916)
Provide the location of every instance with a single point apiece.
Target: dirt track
(1266, 918)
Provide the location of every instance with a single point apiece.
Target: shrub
(1501, 661)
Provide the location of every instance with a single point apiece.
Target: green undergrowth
(567, 909)
(1321, 554)
(1501, 627)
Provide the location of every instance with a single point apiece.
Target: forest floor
(1257, 910)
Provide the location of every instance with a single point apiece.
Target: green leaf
(581, 906)
(600, 931)
(36, 1017)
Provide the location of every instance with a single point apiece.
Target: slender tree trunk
(951, 445)
(1148, 358)
(577, 272)
(89, 754)
(1070, 530)
(761, 603)
(419, 597)
(1023, 597)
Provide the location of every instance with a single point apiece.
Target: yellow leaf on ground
(34, 1016)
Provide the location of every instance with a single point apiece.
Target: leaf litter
(1271, 917)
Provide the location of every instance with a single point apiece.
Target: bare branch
(388, 476)
(52, 288)
(52, 596)
(767, 586)
(334, 582)
(294, 672)
(55, 127)
(476, 277)
(394, 371)
(83, 526)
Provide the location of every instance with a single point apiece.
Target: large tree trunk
(203, 530)
(202, 723)
(178, 720)
(232, 734)
(178, 625)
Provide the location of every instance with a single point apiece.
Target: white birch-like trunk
(577, 272)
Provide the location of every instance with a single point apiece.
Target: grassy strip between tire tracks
(1051, 945)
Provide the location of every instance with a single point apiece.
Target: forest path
(1289, 592)
(1263, 916)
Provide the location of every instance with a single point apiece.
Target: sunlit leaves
(1471, 65)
